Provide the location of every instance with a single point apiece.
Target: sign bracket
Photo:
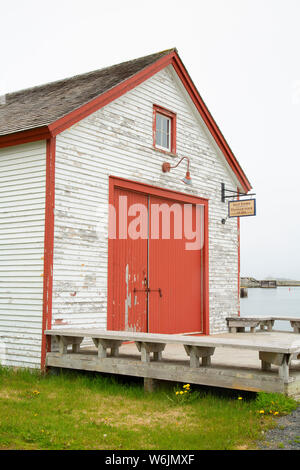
(232, 193)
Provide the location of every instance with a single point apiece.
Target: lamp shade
(187, 179)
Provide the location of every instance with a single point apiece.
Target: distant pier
(269, 284)
(249, 282)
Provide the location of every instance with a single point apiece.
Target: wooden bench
(146, 343)
(238, 324)
(196, 347)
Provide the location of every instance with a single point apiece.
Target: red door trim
(239, 259)
(48, 247)
(115, 182)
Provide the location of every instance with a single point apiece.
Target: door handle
(147, 289)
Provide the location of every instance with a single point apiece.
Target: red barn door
(129, 270)
(175, 270)
(157, 278)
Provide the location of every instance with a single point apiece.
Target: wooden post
(149, 384)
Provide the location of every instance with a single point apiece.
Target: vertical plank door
(128, 309)
(175, 271)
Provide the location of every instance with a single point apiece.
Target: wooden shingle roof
(42, 105)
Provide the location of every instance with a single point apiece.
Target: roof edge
(25, 136)
(210, 122)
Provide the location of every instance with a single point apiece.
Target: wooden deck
(264, 361)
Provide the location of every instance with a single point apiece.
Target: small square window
(164, 129)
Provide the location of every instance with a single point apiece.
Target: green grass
(80, 411)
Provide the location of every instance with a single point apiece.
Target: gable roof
(44, 111)
(45, 104)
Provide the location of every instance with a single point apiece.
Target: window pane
(165, 141)
(163, 125)
(159, 138)
(158, 122)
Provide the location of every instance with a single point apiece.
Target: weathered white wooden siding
(117, 140)
(22, 220)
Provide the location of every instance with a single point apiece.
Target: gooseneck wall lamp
(166, 167)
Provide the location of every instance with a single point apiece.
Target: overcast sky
(243, 56)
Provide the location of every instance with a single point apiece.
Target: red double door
(156, 281)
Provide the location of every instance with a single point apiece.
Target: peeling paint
(128, 296)
(60, 321)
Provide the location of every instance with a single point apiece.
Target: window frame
(172, 118)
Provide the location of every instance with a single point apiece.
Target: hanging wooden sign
(244, 208)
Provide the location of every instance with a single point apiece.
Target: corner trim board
(48, 247)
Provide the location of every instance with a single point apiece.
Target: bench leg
(101, 349)
(62, 347)
(206, 361)
(103, 344)
(283, 371)
(197, 352)
(145, 355)
(279, 359)
(64, 341)
(194, 359)
(157, 355)
(296, 326)
(75, 348)
(147, 348)
(265, 365)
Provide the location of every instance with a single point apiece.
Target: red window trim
(169, 114)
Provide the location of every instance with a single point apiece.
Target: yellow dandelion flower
(276, 412)
(240, 398)
(261, 411)
(181, 393)
(177, 393)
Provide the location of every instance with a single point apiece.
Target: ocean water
(282, 301)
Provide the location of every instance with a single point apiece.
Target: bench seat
(238, 324)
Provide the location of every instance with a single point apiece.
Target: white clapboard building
(84, 157)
